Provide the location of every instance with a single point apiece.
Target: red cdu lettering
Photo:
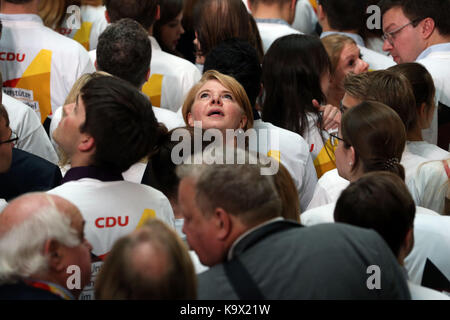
(123, 224)
(18, 57)
(2, 56)
(110, 222)
(97, 223)
(11, 56)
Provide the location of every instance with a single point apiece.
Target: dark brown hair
(378, 136)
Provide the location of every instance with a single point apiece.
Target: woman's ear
(243, 122)
(190, 120)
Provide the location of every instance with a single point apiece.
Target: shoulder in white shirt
(293, 152)
(270, 32)
(27, 125)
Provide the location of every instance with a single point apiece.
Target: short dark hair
(421, 82)
(394, 90)
(344, 15)
(143, 11)
(121, 121)
(160, 172)
(381, 201)
(377, 134)
(124, 50)
(419, 9)
(239, 59)
(292, 69)
(219, 20)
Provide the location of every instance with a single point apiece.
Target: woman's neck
(414, 134)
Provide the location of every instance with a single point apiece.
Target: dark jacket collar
(101, 174)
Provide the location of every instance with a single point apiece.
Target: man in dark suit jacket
(28, 173)
(232, 221)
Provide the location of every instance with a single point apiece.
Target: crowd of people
(224, 149)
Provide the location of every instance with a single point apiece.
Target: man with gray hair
(232, 221)
(44, 254)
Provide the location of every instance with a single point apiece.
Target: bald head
(25, 206)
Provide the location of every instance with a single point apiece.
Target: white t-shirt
(305, 19)
(39, 66)
(429, 185)
(431, 249)
(169, 118)
(322, 154)
(436, 59)
(90, 18)
(99, 25)
(293, 152)
(329, 187)
(427, 150)
(272, 29)
(325, 214)
(422, 293)
(170, 80)
(113, 210)
(431, 240)
(26, 124)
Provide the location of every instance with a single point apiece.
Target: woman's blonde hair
(334, 44)
(228, 82)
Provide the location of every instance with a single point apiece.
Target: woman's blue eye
(204, 95)
(228, 96)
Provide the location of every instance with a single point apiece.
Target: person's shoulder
(173, 62)
(318, 215)
(16, 109)
(376, 60)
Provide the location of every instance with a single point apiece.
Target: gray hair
(240, 188)
(22, 247)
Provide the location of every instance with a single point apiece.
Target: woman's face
(349, 61)
(171, 32)
(343, 159)
(216, 107)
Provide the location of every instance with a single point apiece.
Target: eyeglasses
(12, 138)
(334, 139)
(390, 36)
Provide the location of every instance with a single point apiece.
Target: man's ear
(87, 143)
(95, 65)
(320, 13)
(148, 75)
(107, 16)
(428, 27)
(53, 250)
(223, 223)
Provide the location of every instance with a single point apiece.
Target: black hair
(143, 11)
(291, 73)
(239, 59)
(416, 10)
(121, 121)
(124, 50)
(381, 201)
(345, 15)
